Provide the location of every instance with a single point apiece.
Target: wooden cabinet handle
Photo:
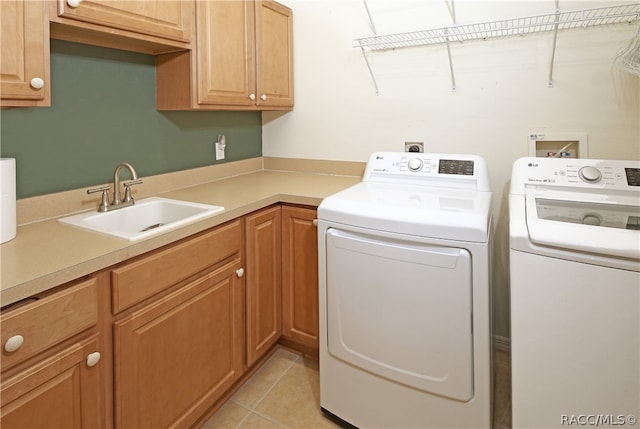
(315, 222)
(240, 272)
(93, 359)
(263, 97)
(13, 343)
(73, 3)
(252, 97)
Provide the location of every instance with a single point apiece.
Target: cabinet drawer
(49, 320)
(143, 278)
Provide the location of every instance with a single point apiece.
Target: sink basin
(146, 217)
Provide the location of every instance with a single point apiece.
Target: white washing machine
(404, 258)
(575, 293)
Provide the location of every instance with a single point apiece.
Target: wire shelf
(625, 13)
(502, 28)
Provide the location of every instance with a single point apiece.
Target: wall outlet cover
(417, 147)
(219, 151)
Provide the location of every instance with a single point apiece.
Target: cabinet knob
(252, 97)
(73, 3)
(240, 272)
(13, 343)
(315, 222)
(36, 83)
(93, 359)
(263, 97)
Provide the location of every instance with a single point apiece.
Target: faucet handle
(104, 204)
(127, 189)
(132, 182)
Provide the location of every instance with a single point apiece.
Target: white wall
(502, 93)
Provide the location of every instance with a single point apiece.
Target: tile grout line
(252, 408)
(293, 361)
(271, 419)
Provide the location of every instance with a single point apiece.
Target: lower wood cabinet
(264, 290)
(56, 359)
(157, 340)
(64, 391)
(300, 275)
(178, 351)
(176, 357)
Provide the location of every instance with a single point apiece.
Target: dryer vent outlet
(414, 147)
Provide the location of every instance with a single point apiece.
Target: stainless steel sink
(147, 217)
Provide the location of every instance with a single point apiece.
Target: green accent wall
(103, 113)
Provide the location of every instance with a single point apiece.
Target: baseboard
(502, 343)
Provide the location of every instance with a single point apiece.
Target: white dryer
(404, 276)
(575, 293)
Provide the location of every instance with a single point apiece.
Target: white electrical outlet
(220, 147)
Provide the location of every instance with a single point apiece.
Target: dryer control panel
(433, 169)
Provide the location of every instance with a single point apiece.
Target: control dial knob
(590, 174)
(415, 164)
(591, 219)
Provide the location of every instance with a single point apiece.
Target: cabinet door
(162, 18)
(225, 53)
(25, 53)
(176, 357)
(61, 392)
(274, 53)
(264, 288)
(300, 275)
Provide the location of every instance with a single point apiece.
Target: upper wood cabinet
(274, 54)
(242, 60)
(225, 63)
(24, 57)
(151, 26)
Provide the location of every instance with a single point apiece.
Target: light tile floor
(285, 394)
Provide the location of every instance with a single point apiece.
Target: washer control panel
(577, 173)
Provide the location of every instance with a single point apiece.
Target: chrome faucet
(128, 199)
(117, 202)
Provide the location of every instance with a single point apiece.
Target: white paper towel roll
(8, 199)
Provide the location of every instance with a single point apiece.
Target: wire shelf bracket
(624, 13)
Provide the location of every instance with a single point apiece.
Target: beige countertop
(48, 253)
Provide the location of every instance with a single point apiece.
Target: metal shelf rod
(366, 7)
(555, 40)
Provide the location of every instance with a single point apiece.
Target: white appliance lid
(454, 214)
(605, 229)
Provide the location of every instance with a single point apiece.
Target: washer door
(401, 310)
